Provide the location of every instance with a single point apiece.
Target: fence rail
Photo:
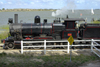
(92, 45)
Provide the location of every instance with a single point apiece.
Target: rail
(93, 48)
(45, 46)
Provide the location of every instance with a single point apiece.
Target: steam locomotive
(50, 31)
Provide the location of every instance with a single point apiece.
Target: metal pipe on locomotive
(49, 31)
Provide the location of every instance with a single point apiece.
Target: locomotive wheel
(61, 46)
(31, 47)
(26, 44)
(65, 47)
(37, 45)
(10, 45)
(48, 45)
(58, 44)
(80, 46)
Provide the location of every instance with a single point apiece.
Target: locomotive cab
(70, 24)
(71, 29)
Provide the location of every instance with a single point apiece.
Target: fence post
(44, 47)
(68, 48)
(21, 47)
(91, 45)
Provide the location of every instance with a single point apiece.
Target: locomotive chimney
(16, 18)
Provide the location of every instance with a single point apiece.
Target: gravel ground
(1, 44)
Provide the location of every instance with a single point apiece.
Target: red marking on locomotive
(3, 41)
(42, 38)
(69, 34)
(69, 31)
(27, 38)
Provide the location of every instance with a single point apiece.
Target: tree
(3, 8)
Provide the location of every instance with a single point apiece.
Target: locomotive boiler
(50, 31)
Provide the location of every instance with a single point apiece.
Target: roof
(74, 19)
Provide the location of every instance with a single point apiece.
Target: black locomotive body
(90, 31)
(49, 31)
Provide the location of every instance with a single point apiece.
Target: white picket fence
(93, 44)
(94, 49)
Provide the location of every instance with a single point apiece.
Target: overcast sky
(50, 4)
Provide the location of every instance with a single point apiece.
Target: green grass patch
(5, 27)
(26, 60)
(3, 35)
(96, 22)
(5, 30)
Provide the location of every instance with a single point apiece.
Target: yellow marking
(70, 40)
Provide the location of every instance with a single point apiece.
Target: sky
(50, 4)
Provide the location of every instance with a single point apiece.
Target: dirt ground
(48, 53)
(91, 64)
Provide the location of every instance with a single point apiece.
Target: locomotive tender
(49, 31)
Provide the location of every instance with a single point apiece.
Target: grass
(18, 60)
(4, 34)
(96, 22)
(5, 27)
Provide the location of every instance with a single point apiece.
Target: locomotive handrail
(45, 46)
(93, 47)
